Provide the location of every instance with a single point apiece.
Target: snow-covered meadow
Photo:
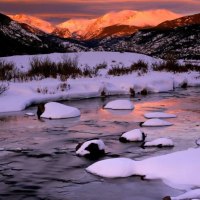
(21, 95)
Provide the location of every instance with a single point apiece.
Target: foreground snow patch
(120, 105)
(179, 170)
(56, 110)
(159, 115)
(156, 122)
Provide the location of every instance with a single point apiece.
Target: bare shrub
(132, 92)
(172, 65)
(140, 66)
(68, 67)
(87, 72)
(118, 70)
(63, 87)
(42, 90)
(100, 66)
(42, 67)
(4, 86)
(7, 70)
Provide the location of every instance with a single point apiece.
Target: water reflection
(38, 161)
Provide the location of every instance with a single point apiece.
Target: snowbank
(179, 170)
(159, 115)
(55, 110)
(120, 105)
(21, 95)
(156, 122)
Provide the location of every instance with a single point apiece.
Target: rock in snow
(135, 135)
(159, 115)
(156, 122)
(198, 142)
(91, 149)
(55, 110)
(120, 105)
(160, 142)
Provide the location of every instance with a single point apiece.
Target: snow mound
(193, 194)
(135, 135)
(159, 115)
(120, 105)
(85, 148)
(112, 168)
(156, 122)
(160, 142)
(56, 110)
(179, 169)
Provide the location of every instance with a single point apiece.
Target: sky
(57, 11)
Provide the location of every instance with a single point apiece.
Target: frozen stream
(38, 161)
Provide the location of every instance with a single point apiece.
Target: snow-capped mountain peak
(77, 26)
(34, 22)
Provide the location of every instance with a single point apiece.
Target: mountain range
(144, 32)
(179, 37)
(87, 29)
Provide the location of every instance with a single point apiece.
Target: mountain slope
(113, 31)
(16, 38)
(182, 41)
(180, 22)
(34, 22)
(76, 27)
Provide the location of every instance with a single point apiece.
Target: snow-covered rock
(159, 115)
(160, 142)
(179, 169)
(56, 110)
(111, 168)
(198, 142)
(135, 135)
(120, 105)
(156, 122)
(92, 149)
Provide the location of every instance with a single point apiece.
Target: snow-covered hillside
(22, 94)
(34, 22)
